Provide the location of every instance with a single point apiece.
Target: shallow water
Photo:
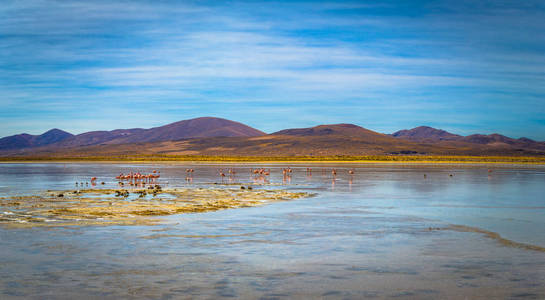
(382, 233)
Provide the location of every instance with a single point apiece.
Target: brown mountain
(199, 127)
(212, 136)
(498, 140)
(194, 128)
(333, 129)
(323, 140)
(422, 133)
(24, 140)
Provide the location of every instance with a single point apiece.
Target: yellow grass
(292, 159)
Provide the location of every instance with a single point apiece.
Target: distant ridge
(216, 136)
(333, 129)
(425, 133)
(200, 127)
(194, 128)
(25, 140)
(432, 135)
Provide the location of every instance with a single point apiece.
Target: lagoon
(418, 231)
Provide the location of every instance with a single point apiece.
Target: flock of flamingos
(260, 175)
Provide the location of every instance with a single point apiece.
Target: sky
(464, 66)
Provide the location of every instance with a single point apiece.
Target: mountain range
(194, 128)
(21, 141)
(432, 135)
(216, 136)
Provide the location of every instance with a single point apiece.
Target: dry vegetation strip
(337, 158)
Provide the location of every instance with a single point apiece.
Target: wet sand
(128, 206)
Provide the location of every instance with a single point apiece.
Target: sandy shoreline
(121, 206)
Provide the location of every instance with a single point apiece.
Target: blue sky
(463, 66)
